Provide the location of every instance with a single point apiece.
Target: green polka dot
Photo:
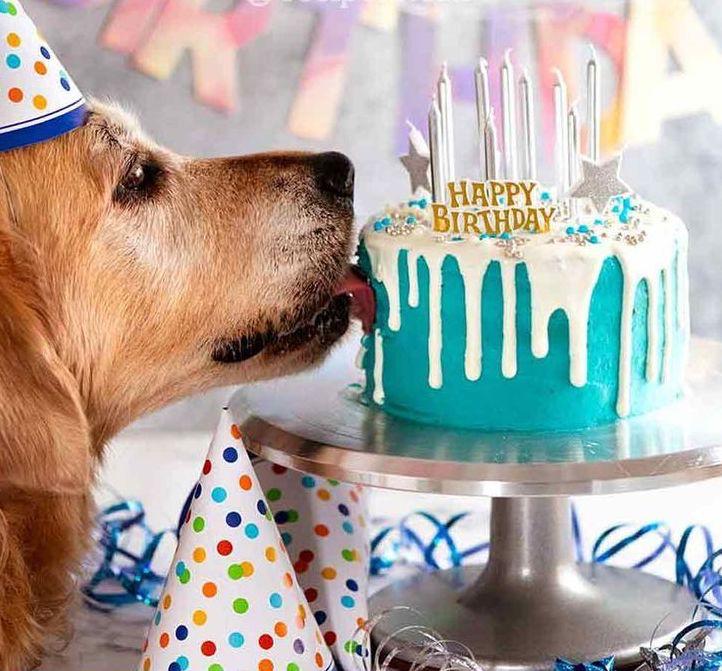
(274, 494)
(240, 606)
(199, 524)
(215, 667)
(333, 483)
(348, 555)
(235, 571)
(350, 646)
(12, 9)
(292, 667)
(185, 577)
(293, 515)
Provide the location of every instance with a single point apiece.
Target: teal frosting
(540, 396)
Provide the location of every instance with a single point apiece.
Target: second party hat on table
(231, 600)
(323, 525)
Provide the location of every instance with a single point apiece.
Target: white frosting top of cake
(563, 267)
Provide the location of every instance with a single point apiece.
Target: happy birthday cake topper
(492, 207)
(38, 99)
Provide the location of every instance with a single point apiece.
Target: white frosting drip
(379, 395)
(562, 276)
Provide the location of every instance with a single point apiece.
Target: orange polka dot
(265, 665)
(300, 622)
(13, 39)
(164, 640)
(247, 569)
(271, 554)
(319, 660)
(146, 664)
(199, 617)
(199, 555)
(40, 68)
(245, 483)
(166, 602)
(321, 530)
(15, 95)
(210, 590)
(360, 622)
(235, 431)
(301, 611)
(329, 573)
(40, 102)
(323, 494)
(280, 629)
(287, 580)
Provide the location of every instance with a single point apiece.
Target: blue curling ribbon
(606, 664)
(131, 572)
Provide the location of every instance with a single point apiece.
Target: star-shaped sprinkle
(600, 182)
(417, 161)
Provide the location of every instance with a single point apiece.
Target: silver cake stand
(531, 602)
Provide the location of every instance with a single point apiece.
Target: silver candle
(594, 110)
(491, 153)
(436, 154)
(508, 116)
(528, 168)
(447, 121)
(483, 108)
(561, 143)
(573, 135)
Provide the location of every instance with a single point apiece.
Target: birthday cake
(504, 305)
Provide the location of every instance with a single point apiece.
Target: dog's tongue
(364, 301)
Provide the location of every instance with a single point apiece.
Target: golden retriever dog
(131, 276)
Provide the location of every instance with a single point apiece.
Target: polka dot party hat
(231, 600)
(38, 100)
(323, 526)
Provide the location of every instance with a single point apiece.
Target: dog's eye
(138, 181)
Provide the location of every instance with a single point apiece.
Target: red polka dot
(300, 567)
(208, 648)
(164, 640)
(265, 641)
(311, 594)
(306, 556)
(321, 530)
(279, 470)
(235, 431)
(354, 496)
(329, 637)
(224, 548)
(206, 467)
(15, 95)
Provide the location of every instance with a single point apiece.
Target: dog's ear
(44, 438)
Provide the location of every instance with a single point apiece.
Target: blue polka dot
(233, 519)
(347, 527)
(157, 618)
(275, 600)
(348, 601)
(218, 494)
(286, 538)
(281, 517)
(308, 482)
(183, 662)
(251, 531)
(236, 640)
(174, 666)
(65, 83)
(261, 506)
(320, 617)
(352, 585)
(4, 8)
(198, 491)
(230, 454)
(180, 569)
(181, 632)
(13, 61)
(45, 52)
(343, 508)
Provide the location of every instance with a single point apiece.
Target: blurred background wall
(215, 77)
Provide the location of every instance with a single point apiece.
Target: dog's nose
(334, 173)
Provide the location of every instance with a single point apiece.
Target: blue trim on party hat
(44, 127)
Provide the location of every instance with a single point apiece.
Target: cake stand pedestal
(532, 602)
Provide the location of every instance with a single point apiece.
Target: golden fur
(112, 303)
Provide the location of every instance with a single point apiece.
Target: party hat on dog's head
(232, 600)
(38, 100)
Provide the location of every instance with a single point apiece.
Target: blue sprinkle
(570, 230)
(583, 228)
(598, 222)
(615, 208)
(483, 236)
(457, 238)
(423, 203)
(505, 235)
(545, 195)
(378, 226)
(593, 239)
(411, 219)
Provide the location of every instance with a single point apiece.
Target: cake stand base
(532, 602)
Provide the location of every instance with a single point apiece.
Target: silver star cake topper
(417, 161)
(600, 182)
